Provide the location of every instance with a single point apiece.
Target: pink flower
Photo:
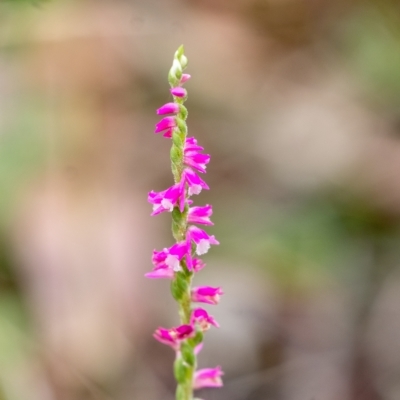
(203, 242)
(192, 156)
(191, 145)
(200, 215)
(165, 123)
(170, 257)
(202, 239)
(193, 264)
(195, 183)
(167, 199)
(178, 91)
(167, 261)
(169, 108)
(174, 336)
(203, 319)
(185, 78)
(197, 264)
(206, 294)
(168, 133)
(208, 377)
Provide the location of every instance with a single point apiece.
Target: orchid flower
(180, 262)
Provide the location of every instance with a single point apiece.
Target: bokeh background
(298, 102)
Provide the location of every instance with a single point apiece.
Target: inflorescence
(181, 261)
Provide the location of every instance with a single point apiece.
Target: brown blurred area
(297, 101)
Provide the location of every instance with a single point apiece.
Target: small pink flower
(168, 133)
(174, 336)
(208, 377)
(165, 123)
(167, 199)
(203, 319)
(193, 264)
(167, 261)
(185, 78)
(200, 215)
(170, 257)
(202, 239)
(192, 156)
(169, 108)
(164, 336)
(191, 145)
(178, 91)
(206, 294)
(197, 264)
(195, 183)
(197, 161)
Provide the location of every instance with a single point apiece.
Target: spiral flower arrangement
(180, 262)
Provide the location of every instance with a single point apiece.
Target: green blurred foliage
(371, 42)
(31, 2)
(22, 156)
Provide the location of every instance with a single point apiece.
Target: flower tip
(179, 52)
(214, 241)
(185, 78)
(169, 108)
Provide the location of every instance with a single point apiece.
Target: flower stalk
(180, 262)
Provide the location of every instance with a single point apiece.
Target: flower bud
(178, 91)
(183, 60)
(185, 78)
(169, 108)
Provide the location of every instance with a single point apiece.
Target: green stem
(185, 363)
(185, 309)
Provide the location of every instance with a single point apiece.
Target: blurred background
(297, 101)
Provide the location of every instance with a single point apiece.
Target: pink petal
(178, 91)
(208, 377)
(185, 78)
(169, 108)
(162, 273)
(200, 215)
(165, 123)
(206, 294)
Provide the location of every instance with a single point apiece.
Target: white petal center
(173, 262)
(202, 247)
(194, 189)
(167, 204)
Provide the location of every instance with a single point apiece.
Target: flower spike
(181, 261)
